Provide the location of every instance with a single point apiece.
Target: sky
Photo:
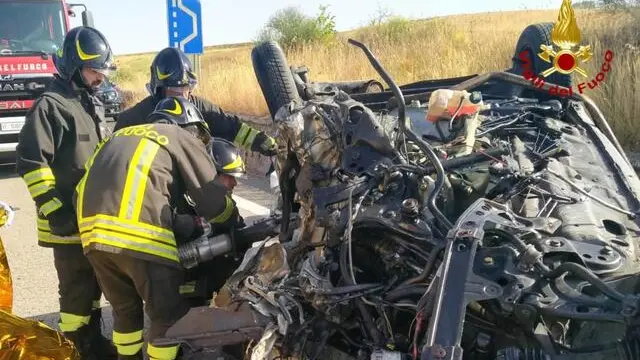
(143, 26)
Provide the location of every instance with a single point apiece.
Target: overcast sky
(143, 27)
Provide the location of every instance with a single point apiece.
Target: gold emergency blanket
(22, 339)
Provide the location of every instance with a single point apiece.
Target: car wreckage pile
(503, 228)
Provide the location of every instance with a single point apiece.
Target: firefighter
(60, 133)
(228, 162)
(126, 203)
(172, 75)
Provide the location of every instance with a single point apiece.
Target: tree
(291, 28)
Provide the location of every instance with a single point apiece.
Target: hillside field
(426, 49)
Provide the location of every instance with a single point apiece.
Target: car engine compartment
(509, 233)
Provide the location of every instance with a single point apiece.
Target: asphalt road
(35, 281)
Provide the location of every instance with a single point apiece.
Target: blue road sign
(185, 25)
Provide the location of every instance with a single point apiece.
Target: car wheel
(274, 76)
(374, 87)
(528, 46)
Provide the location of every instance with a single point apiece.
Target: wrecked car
(350, 87)
(479, 217)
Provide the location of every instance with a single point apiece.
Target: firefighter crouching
(125, 205)
(60, 134)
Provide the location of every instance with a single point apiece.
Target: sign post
(184, 21)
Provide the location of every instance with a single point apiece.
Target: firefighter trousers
(128, 281)
(77, 287)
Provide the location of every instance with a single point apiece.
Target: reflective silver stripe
(132, 245)
(40, 188)
(50, 206)
(55, 239)
(90, 223)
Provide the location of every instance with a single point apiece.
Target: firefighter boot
(80, 340)
(98, 344)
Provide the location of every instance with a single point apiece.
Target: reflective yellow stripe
(50, 206)
(162, 353)
(72, 322)
(126, 338)
(137, 178)
(133, 228)
(80, 192)
(226, 214)
(55, 239)
(235, 164)
(187, 288)
(128, 343)
(45, 235)
(245, 136)
(83, 180)
(250, 138)
(38, 175)
(41, 188)
(135, 243)
(129, 349)
(241, 135)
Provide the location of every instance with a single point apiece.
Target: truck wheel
(528, 46)
(274, 76)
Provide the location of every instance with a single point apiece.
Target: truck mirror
(87, 18)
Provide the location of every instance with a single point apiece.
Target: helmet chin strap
(79, 80)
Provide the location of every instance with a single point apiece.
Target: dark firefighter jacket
(221, 124)
(60, 133)
(134, 182)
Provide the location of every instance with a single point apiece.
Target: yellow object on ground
(22, 339)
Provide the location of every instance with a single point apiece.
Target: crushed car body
(503, 226)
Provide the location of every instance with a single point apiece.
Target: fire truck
(31, 31)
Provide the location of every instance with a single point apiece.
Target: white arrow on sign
(194, 19)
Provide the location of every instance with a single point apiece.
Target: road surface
(34, 277)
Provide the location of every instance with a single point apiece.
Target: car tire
(374, 87)
(274, 76)
(530, 40)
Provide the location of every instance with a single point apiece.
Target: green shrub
(292, 29)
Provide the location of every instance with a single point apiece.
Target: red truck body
(30, 33)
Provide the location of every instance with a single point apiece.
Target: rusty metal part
(205, 327)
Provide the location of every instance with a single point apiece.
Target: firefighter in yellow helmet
(126, 205)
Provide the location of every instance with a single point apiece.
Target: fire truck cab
(31, 31)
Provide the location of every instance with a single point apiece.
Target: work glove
(63, 222)
(264, 144)
(186, 226)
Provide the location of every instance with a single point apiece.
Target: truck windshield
(31, 26)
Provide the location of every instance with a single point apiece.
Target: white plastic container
(444, 103)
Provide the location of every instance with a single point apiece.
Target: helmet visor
(108, 72)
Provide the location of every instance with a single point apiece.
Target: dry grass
(428, 49)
